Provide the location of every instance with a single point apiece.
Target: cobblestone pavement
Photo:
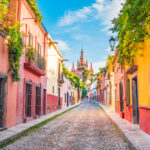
(83, 128)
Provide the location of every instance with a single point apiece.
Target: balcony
(35, 62)
(60, 79)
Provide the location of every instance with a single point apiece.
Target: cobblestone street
(83, 128)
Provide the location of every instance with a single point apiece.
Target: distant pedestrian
(87, 98)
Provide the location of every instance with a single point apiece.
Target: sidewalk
(136, 138)
(17, 130)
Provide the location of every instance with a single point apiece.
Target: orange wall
(144, 75)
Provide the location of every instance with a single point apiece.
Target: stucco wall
(66, 88)
(11, 87)
(29, 25)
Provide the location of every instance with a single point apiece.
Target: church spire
(91, 68)
(86, 63)
(73, 69)
(82, 57)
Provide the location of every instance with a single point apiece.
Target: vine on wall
(34, 7)
(132, 25)
(14, 40)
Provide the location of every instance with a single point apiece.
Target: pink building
(8, 89)
(67, 93)
(31, 91)
(119, 86)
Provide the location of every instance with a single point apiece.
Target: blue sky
(77, 24)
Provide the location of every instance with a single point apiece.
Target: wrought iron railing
(40, 62)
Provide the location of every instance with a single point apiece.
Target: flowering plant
(15, 43)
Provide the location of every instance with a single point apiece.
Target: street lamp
(112, 43)
(64, 60)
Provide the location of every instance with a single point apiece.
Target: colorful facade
(138, 97)
(66, 92)
(8, 89)
(119, 86)
(31, 90)
(127, 89)
(54, 78)
(42, 89)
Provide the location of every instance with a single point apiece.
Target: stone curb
(135, 137)
(18, 130)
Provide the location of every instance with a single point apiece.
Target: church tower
(82, 61)
(73, 69)
(91, 68)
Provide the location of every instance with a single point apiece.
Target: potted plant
(31, 56)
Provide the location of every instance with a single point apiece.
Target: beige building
(54, 77)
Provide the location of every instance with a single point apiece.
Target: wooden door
(121, 97)
(59, 98)
(2, 101)
(135, 106)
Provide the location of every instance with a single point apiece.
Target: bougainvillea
(132, 25)
(14, 40)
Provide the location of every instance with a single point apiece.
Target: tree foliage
(84, 92)
(75, 80)
(132, 25)
(109, 61)
(34, 7)
(86, 74)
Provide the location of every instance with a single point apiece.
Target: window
(39, 49)
(38, 101)
(28, 105)
(59, 71)
(30, 39)
(53, 89)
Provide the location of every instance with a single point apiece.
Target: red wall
(52, 103)
(145, 119)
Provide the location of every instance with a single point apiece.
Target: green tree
(109, 61)
(86, 74)
(75, 80)
(131, 26)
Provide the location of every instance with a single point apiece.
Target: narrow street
(84, 128)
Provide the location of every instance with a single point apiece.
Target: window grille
(28, 100)
(30, 39)
(38, 101)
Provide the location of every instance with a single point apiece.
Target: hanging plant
(14, 40)
(15, 46)
(132, 25)
(34, 7)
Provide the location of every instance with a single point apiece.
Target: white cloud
(62, 45)
(98, 64)
(68, 65)
(108, 49)
(112, 9)
(71, 17)
(104, 10)
(80, 37)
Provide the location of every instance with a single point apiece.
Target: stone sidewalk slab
(136, 138)
(17, 130)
